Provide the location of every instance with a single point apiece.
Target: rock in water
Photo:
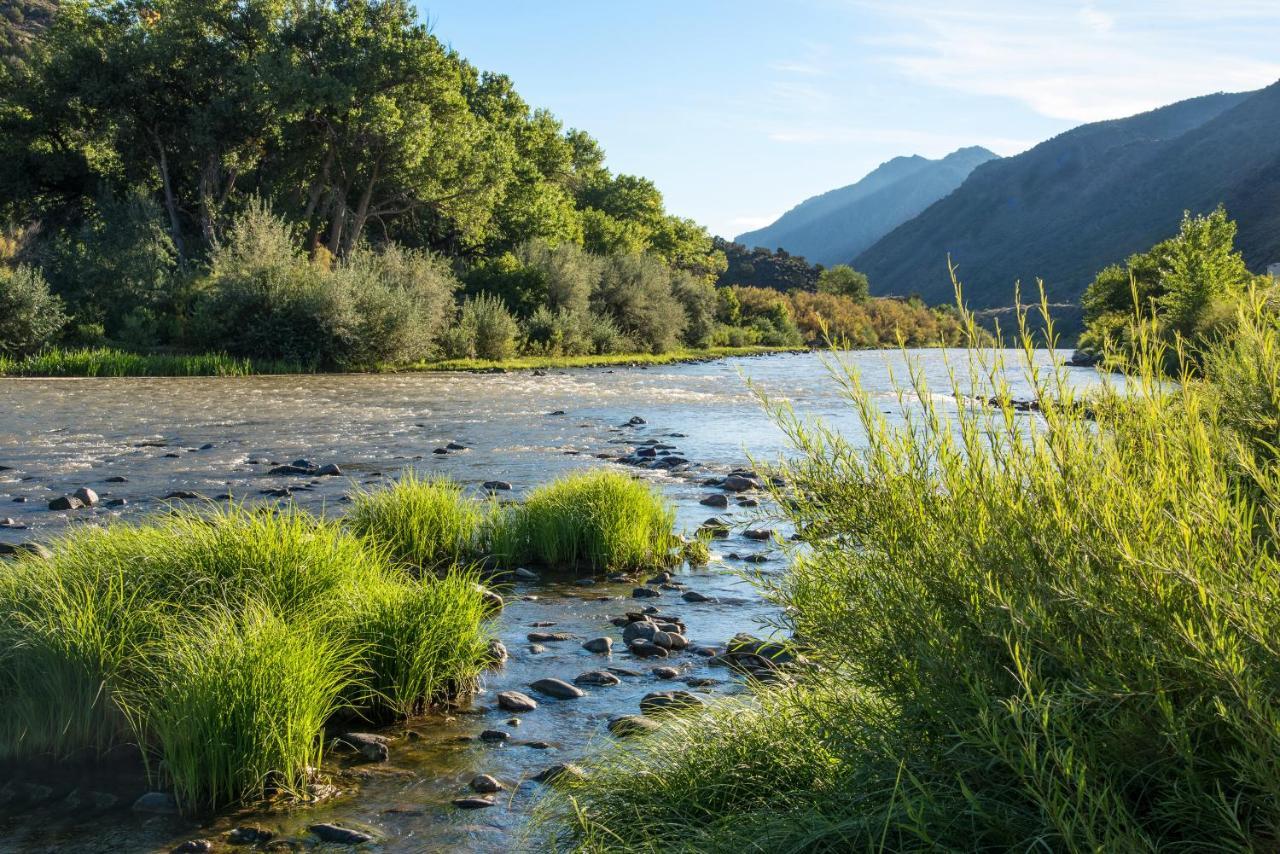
(561, 770)
(602, 678)
(514, 701)
(497, 654)
(557, 688)
(371, 747)
(472, 802)
(716, 500)
(87, 496)
(632, 725)
(339, 834)
(668, 701)
(485, 784)
(161, 803)
(497, 485)
(66, 502)
(601, 645)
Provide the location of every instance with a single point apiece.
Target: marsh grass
(599, 520)
(427, 523)
(107, 362)
(221, 642)
(1030, 632)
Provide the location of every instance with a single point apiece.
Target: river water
(220, 436)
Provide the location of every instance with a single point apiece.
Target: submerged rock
(160, 803)
(337, 833)
(550, 637)
(473, 802)
(559, 771)
(695, 596)
(602, 678)
(249, 834)
(193, 846)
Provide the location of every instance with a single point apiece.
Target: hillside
(1090, 197)
(20, 22)
(834, 227)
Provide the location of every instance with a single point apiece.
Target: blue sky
(739, 109)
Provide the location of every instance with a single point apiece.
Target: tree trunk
(337, 220)
(318, 186)
(362, 209)
(170, 203)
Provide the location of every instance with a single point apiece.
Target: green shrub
(635, 292)
(1032, 633)
(485, 330)
(426, 523)
(30, 316)
(599, 520)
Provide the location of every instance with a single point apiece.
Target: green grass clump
(600, 520)
(108, 362)
(1032, 633)
(240, 699)
(222, 642)
(426, 522)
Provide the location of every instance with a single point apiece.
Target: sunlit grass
(427, 523)
(1032, 632)
(107, 362)
(599, 520)
(221, 643)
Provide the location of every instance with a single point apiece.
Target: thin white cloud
(1082, 61)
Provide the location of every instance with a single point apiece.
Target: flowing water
(218, 437)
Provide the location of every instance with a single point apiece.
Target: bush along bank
(1026, 631)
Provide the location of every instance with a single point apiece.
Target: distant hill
(1090, 197)
(834, 227)
(20, 22)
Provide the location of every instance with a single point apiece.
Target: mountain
(834, 227)
(20, 22)
(1090, 197)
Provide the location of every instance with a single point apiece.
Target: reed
(425, 522)
(1045, 632)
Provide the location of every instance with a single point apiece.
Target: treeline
(328, 184)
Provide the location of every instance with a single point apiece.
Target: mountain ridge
(1089, 197)
(833, 227)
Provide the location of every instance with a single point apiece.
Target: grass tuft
(599, 520)
(222, 642)
(425, 522)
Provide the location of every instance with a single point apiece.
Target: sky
(740, 109)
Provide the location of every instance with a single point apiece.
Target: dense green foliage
(222, 643)
(834, 227)
(1052, 632)
(309, 182)
(1189, 286)
(1091, 197)
(845, 281)
(597, 520)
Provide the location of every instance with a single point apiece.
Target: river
(220, 437)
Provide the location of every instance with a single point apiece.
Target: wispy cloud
(1080, 61)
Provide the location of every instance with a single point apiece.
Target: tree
(845, 281)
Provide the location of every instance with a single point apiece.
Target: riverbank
(107, 362)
